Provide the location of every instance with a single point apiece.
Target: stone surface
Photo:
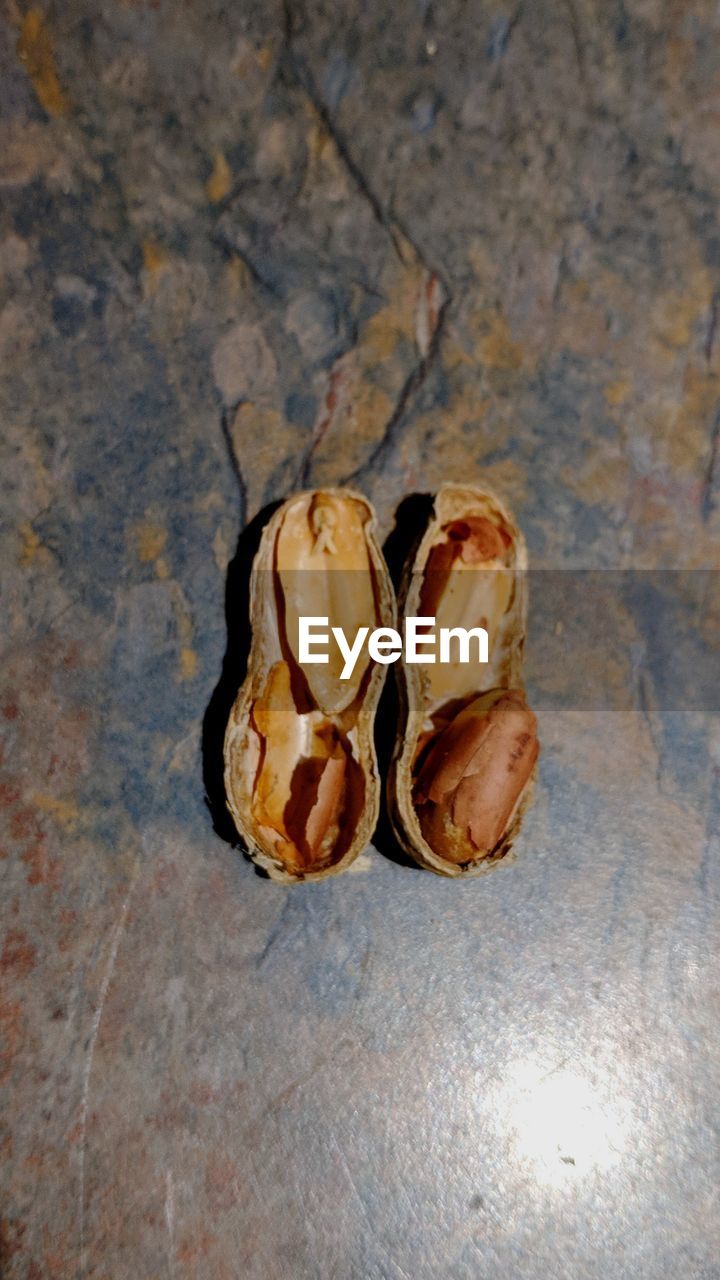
(245, 248)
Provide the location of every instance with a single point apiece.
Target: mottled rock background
(243, 248)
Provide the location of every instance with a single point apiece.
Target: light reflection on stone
(562, 1124)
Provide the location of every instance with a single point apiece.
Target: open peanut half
(465, 757)
(301, 773)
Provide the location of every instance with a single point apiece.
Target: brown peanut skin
(472, 780)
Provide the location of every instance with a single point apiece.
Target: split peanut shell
(301, 774)
(465, 759)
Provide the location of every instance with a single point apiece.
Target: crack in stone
(712, 326)
(707, 501)
(399, 237)
(234, 463)
(321, 430)
(274, 932)
(229, 248)
(509, 31)
(514, 19)
(575, 32)
(403, 246)
(305, 81)
(644, 701)
(408, 391)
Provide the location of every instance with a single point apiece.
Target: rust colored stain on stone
(221, 1181)
(11, 1236)
(9, 794)
(194, 1247)
(11, 1026)
(18, 954)
(43, 866)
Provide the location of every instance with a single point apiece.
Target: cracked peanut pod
(465, 757)
(301, 775)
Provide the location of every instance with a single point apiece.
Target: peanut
(300, 767)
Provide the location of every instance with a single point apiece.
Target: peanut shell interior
(467, 748)
(300, 767)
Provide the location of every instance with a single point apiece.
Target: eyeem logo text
(422, 643)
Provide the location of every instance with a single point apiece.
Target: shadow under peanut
(411, 518)
(234, 667)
